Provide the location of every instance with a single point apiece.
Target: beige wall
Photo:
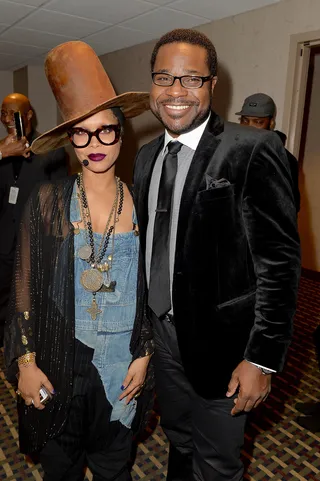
(253, 51)
(20, 81)
(309, 217)
(6, 87)
(252, 48)
(41, 98)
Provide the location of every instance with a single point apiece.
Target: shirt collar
(190, 139)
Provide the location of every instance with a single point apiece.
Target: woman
(77, 329)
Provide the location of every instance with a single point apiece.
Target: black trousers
(88, 437)
(205, 440)
(6, 269)
(60, 463)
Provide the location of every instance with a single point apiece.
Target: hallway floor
(276, 447)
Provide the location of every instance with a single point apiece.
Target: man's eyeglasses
(107, 135)
(187, 81)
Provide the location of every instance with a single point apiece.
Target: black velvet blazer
(237, 262)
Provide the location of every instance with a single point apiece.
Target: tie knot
(174, 147)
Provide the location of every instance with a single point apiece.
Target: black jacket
(237, 261)
(31, 171)
(44, 286)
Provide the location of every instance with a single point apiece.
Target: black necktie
(159, 288)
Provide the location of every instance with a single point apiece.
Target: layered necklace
(97, 278)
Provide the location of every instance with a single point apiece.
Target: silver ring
(27, 145)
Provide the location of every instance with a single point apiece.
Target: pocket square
(216, 183)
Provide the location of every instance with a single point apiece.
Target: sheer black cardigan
(42, 313)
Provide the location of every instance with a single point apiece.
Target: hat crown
(260, 105)
(77, 79)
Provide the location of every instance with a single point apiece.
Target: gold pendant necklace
(85, 252)
(94, 310)
(91, 280)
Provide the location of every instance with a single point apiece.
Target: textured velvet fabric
(44, 285)
(237, 262)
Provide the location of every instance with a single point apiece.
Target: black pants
(6, 269)
(205, 440)
(88, 438)
(109, 464)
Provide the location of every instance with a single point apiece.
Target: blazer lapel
(149, 158)
(208, 144)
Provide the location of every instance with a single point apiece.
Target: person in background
(218, 230)
(259, 111)
(20, 171)
(76, 324)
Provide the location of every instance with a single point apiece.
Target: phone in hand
(18, 125)
(45, 395)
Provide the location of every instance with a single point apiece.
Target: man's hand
(254, 387)
(11, 147)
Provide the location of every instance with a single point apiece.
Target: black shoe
(308, 408)
(311, 423)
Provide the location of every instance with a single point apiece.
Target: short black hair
(193, 37)
(117, 112)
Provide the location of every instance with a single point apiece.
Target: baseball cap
(258, 105)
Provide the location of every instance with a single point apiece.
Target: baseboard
(310, 274)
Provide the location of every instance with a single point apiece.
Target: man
(222, 261)
(259, 110)
(20, 171)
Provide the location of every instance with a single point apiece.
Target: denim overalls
(109, 335)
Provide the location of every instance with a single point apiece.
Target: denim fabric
(109, 335)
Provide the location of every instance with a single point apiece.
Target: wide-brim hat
(82, 88)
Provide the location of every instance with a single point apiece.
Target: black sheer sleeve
(19, 332)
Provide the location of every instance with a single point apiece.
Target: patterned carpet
(276, 447)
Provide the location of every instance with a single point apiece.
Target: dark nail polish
(123, 387)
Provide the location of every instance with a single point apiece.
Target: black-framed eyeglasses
(107, 135)
(187, 81)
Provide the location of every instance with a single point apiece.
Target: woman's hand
(135, 378)
(30, 381)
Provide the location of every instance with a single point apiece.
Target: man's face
(258, 122)
(11, 105)
(181, 109)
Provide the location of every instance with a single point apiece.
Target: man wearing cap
(259, 111)
(20, 171)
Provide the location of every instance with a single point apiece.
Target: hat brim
(132, 104)
(253, 114)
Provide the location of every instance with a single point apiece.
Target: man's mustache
(177, 102)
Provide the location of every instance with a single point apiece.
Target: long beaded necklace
(92, 279)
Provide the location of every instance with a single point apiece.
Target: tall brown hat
(82, 88)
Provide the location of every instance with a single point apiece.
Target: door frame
(296, 86)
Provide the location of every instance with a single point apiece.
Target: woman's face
(100, 157)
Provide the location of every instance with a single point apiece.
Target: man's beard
(193, 124)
